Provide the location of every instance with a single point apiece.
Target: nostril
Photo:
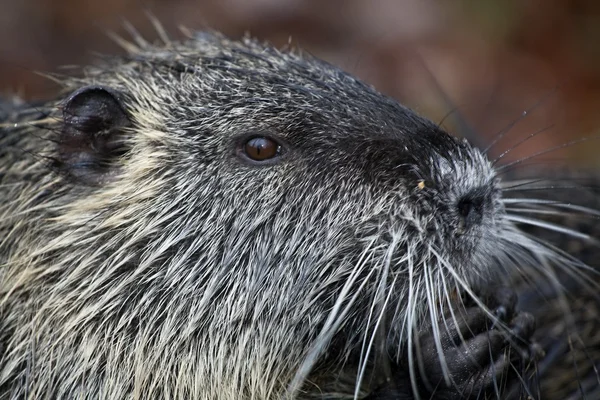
(464, 207)
(470, 210)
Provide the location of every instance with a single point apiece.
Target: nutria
(214, 219)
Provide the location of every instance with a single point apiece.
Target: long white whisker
(412, 302)
(569, 264)
(553, 203)
(465, 286)
(552, 227)
(333, 321)
(541, 212)
(434, 318)
(365, 352)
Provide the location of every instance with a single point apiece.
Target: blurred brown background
(481, 61)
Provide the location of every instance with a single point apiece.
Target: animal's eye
(261, 148)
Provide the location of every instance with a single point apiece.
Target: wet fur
(564, 299)
(184, 272)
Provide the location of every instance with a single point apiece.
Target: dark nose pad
(470, 210)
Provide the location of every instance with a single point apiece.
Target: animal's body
(220, 220)
(565, 300)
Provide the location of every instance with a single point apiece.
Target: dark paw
(480, 353)
(517, 327)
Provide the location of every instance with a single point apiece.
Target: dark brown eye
(261, 148)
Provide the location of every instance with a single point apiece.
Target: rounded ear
(93, 135)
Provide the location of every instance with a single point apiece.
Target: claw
(478, 354)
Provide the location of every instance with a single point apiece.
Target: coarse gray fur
(184, 272)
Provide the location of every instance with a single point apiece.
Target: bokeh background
(473, 65)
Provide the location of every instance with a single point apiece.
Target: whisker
(546, 188)
(411, 328)
(365, 351)
(522, 116)
(531, 181)
(552, 227)
(434, 318)
(553, 203)
(504, 185)
(544, 212)
(546, 270)
(463, 284)
(524, 386)
(547, 151)
(543, 163)
(521, 142)
(568, 264)
(589, 380)
(335, 318)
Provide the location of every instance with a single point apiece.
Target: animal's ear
(94, 133)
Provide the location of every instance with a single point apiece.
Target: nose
(471, 208)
